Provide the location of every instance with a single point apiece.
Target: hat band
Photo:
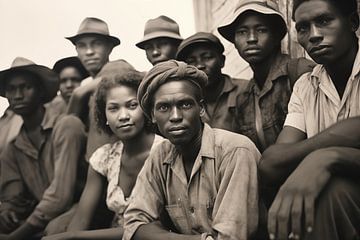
(268, 4)
(160, 29)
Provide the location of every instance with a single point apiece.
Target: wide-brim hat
(94, 26)
(267, 7)
(161, 26)
(48, 78)
(70, 62)
(198, 38)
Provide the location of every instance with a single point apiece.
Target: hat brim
(228, 30)
(158, 34)
(114, 40)
(182, 50)
(49, 79)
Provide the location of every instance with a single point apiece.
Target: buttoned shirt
(223, 109)
(315, 103)
(261, 112)
(43, 181)
(10, 124)
(220, 197)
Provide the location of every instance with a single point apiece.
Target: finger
(296, 213)
(7, 221)
(309, 213)
(13, 217)
(283, 218)
(272, 216)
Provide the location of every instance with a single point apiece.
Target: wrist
(207, 236)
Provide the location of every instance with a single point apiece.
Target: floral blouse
(106, 160)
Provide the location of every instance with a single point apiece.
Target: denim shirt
(273, 100)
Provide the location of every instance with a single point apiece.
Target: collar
(207, 149)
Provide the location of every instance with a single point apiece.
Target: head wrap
(164, 72)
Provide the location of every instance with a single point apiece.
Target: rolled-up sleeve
(68, 144)
(148, 198)
(236, 207)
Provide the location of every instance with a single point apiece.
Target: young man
(205, 51)
(71, 72)
(161, 39)
(93, 44)
(256, 30)
(317, 164)
(205, 179)
(39, 168)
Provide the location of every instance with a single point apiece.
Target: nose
(89, 50)
(69, 83)
(18, 94)
(315, 35)
(155, 52)
(123, 114)
(200, 65)
(175, 115)
(252, 37)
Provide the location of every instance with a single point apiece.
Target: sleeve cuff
(295, 120)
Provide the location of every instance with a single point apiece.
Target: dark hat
(70, 62)
(161, 26)
(267, 7)
(48, 78)
(94, 26)
(200, 37)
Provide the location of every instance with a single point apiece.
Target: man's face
(93, 52)
(160, 50)
(254, 38)
(323, 31)
(70, 78)
(176, 111)
(23, 93)
(207, 59)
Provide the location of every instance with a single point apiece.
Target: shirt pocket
(178, 217)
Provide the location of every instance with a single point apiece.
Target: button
(192, 209)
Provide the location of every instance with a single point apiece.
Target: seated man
(256, 29)
(205, 179)
(315, 163)
(39, 168)
(161, 39)
(205, 51)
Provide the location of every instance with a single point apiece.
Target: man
(71, 72)
(93, 44)
(39, 167)
(161, 39)
(205, 51)
(205, 179)
(315, 162)
(256, 29)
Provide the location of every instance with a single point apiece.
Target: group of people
(95, 149)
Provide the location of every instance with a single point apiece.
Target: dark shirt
(271, 102)
(43, 182)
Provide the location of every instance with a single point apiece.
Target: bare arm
(279, 160)
(155, 230)
(101, 234)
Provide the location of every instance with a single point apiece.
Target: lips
(252, 50)
(125, 126)
(19, 106)
(177, 130)
(91, 61)
(319, 49)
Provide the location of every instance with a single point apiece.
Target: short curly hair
(130, 78)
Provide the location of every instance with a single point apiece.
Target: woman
(117, 111)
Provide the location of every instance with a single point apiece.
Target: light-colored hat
(48, 78)
(161, 26)
(267, 7)
(94, 26)
(198, 38)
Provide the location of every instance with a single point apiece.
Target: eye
(133, 105)
(112, 108)
(302, 28)
(262, 30)
(241, 31)
(186, 105)
(162, 107)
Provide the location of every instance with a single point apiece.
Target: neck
(142, 142)
(190, 150)
(213, 91)
(261, 69)
(340, 73)
(33, 120)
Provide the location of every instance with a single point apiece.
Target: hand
(297, 196)
(8, 221)
(60, 236)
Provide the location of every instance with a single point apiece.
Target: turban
(164, 72)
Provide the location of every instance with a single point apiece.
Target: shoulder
(99, 160)
(69, 123)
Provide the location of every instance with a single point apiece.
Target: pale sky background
(35, 29)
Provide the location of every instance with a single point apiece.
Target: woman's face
(123, 113)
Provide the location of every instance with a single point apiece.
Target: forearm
(100, 234)
(155, 231)
(345, 161)
(24, 231)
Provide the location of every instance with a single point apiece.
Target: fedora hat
(161, 26)
(70, 62)
(48, 78)
(266, 7)
(198, 38)
(94, 26)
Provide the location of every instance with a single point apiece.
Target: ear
(354, 21)
(202, 107)
(222, 60)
